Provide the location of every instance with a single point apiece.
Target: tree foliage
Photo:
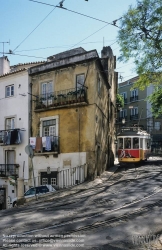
(140, 38)
(156, 102)
(119, 101)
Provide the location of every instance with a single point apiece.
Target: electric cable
(64, 46)
(113, 23)
(35, 28)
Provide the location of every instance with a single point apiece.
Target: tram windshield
(127, 142)
(120, 143)
(135, 142)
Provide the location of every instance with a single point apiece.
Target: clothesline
(47, 142)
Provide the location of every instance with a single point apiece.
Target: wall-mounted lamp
(123, 120)
(19, 85)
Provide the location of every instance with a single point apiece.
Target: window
(127, 142)
(134, 111)
(134, 93)
(10, 123)
(49, 127)
(42, 189)
(135, 142)
(120, 143)
(46, 91)
(157, 125)
(123, 113)
(31, 191)
(80, 81)
(9, 90)
(53, 181)
(124, 94)
(44, 181)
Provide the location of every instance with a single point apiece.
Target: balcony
(7, 170)
(133, 98)
(53, 147)
(10, 137)
(60, 98)
(134, 117)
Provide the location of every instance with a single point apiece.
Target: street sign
(29, 151)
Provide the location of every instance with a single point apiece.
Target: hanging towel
(33, 142)
(38, 146)
(8, 138)
(48, 143)
(44, 141)
(18, 138)
(5, 137)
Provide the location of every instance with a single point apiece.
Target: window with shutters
(46, 93)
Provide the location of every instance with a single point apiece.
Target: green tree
(140, 39)
(156, 102)
(119, 101)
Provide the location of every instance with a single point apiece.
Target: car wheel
(15, 204)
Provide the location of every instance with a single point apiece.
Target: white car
(31, 193)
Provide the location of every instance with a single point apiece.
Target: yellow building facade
(73, 106)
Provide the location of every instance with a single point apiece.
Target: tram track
(100, 187)
(105, 212)
(109, 222)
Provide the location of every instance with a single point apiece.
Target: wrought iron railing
(9, 170)
(52, 145)
(133, 98)
(134, 117)
(10, 137)
(60, 98)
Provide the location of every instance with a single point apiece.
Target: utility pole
(3, 46)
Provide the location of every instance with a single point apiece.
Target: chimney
(4, 65)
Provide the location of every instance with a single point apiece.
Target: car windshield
(31, 191)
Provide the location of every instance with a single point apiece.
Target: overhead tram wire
(113, 23)
(35, 28)
(23, 55)
(63, 46)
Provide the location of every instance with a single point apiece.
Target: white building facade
(14, 131)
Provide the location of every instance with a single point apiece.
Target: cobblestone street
(120, 210)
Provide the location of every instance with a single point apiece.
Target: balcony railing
(60, 98)
(134, 117)
(53, 146)
(9, 170)
(133, 98)
(10, 137)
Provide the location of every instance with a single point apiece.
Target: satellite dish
(29, 151)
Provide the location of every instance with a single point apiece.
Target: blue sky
(60, 29)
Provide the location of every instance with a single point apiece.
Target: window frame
(12, 123)
(77, 84)
(10, 90)
(56, 118)
(134, 92)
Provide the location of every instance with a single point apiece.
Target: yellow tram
(134, 145)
